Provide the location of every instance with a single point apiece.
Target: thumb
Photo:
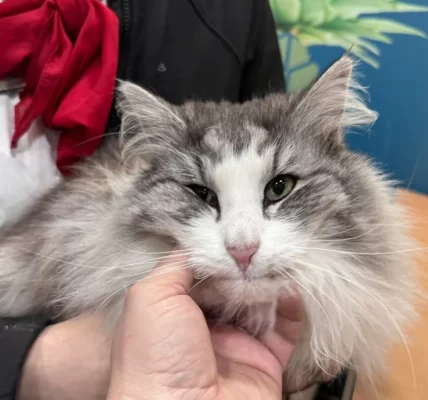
(169, 278)
(161, 336)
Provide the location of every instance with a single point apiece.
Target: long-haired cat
(260, 196)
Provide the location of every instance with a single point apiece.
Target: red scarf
(66, 51)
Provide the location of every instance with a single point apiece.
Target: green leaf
(359, 47)
(358, 51)
(348, 27)
(286, 12)
(349, 9)
(309, 39)
(283, 45)
(300, 79)
(316, 12)
(405, 7)
(314, 36)
(364, 44)
(389, 26)
(355, 27)
(298, 54)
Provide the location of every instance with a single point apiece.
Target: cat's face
(254, 192)
(247, 214)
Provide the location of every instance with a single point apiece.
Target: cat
(261, 196)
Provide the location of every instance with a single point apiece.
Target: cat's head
(249, 188)
(267, 192)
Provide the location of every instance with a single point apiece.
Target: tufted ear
(147, 121)
(333, 103)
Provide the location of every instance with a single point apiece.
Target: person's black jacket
(179, 49)
(199, 49)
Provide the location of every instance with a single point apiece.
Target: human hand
(68, 361)
(165, 350)
(71, 359)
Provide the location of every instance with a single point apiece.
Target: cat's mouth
(246, 279)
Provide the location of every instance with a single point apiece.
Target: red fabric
(67, 53)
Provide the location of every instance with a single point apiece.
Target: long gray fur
(339, 236)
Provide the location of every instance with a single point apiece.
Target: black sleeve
(263, 72)
(340, 388)
(16, 337)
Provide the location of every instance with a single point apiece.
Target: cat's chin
(249, 304)
(220, 290)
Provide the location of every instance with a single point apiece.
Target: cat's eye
(206, 195)
(279, 188)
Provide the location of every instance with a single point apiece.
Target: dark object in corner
(341, 388)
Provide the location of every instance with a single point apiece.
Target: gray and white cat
(261, 196)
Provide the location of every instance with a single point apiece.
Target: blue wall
(399, 92)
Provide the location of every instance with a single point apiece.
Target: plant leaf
(364, 44)
(300, 79)
(299, 54)
(314, 36)
(389, 26)
(349, 9)
(316, 12)
(405, 7)
(286, 12)
(363, 55)
(354, 27)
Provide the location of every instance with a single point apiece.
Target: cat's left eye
(206, 195)
(279, 188)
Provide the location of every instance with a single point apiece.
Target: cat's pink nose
(243, 257)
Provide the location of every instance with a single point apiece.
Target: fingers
(171, 277)
(290, 317)
(283, 339)
(153, 349)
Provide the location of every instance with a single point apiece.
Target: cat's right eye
(206, 195)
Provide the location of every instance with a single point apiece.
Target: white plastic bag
(28, 171)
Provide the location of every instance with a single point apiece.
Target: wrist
(17, 335)
(32, 373)
(69, 360)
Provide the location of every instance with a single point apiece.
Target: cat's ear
(333, 103)
(146, 119)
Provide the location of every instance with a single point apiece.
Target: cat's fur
(339, 237)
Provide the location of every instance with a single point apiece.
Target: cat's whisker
(182, 262)
(58, 260)
(152, 260)
(96, 138)
(146, 271)
(179, 251)
(317, 350)
(355, 253)
(392, 319)
(141, 263)
(340, 310)
(326, 237)
(142, 271)
(286, 274)
(336, 305)
(92, 266)
(200, 281)
(100, 307)
(354, 237)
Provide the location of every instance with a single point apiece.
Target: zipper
(124, 67)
